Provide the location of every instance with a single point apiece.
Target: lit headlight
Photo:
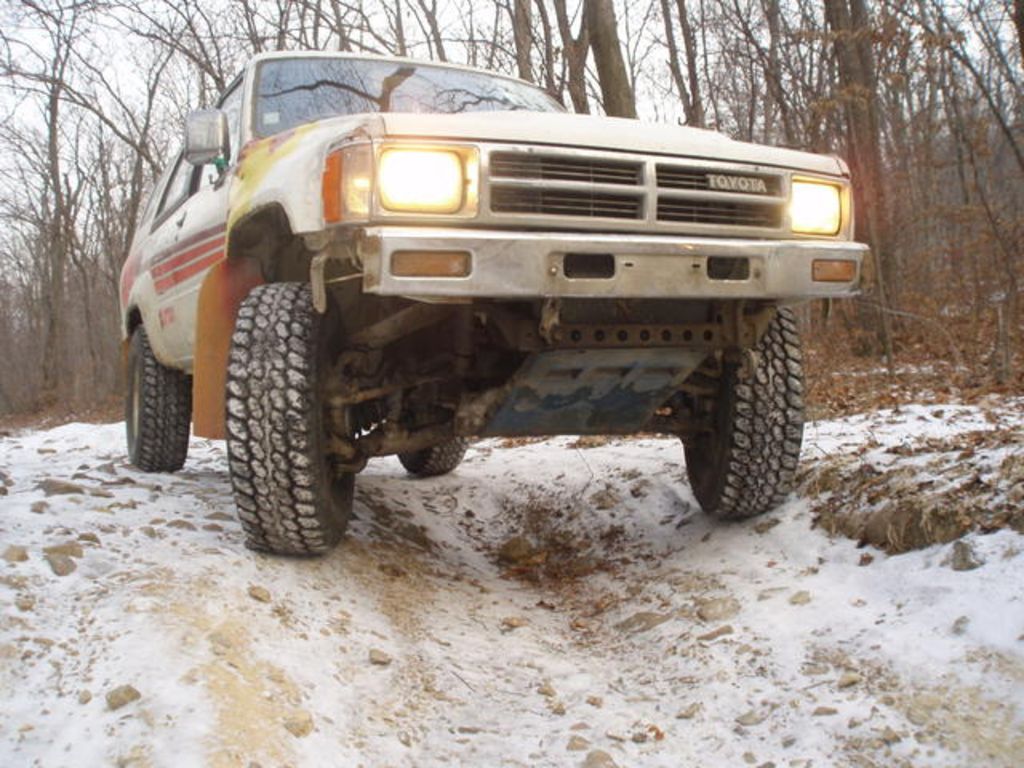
(815, 208)
(421, 180)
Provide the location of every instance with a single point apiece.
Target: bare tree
(575, 47)
(1018, 20)
(522, 34)
(695, 113)
(58, 191)
(616, 89)
(428, 21)
(547, 46)
(848, 20)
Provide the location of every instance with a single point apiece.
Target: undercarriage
(312, 395)
(425, 373)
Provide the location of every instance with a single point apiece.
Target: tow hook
(550, 317)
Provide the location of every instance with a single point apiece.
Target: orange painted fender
(222, 292)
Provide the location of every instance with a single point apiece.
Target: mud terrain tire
(437, 460)
(158, 409)
(746, 466)
(290, 501)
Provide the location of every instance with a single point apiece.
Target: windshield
(296, 91)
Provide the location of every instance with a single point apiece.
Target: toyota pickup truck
(354, 257)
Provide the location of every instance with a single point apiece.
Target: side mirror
(206, 136)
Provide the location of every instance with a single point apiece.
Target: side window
(156, 195)
(231, 105)
(148, 204)
(178, 187)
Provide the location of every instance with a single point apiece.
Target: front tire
(437, 459)
(290, 500)
(158, 409)
(747, 464)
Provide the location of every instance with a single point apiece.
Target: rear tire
(158, 409)
(747, 464)
(437, 460)
(290, 500)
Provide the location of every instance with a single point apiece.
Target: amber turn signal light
(833, 270)
(331, 188)
(431, 263)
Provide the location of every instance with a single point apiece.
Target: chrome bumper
(520, 265)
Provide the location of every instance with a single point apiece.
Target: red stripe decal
(190, 270)
(183, 257)
(188, 242)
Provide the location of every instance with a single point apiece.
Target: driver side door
(198, 241)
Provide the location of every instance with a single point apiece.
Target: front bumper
(524, 264)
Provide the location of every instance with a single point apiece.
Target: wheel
(290, 500)
(157, 409)
(746, 465)
(437, 460)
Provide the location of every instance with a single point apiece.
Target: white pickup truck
(357, 256)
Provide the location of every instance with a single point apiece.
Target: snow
(599, 635)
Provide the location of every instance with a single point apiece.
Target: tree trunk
(575, 48)
(695, 114)
(433, 29)
(673, 58)
(616, 91)
(523, 37)
(848, 20)
(1018, 21)
(57, 241)
(689, 93)
(548, 45)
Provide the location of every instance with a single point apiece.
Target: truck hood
(606, 133)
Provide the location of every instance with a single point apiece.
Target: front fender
(285, 170)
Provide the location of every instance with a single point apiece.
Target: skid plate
(590, 391)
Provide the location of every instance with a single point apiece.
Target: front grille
(620, 192)
(516, 165)
(736, 214)
(680, 177)
(560, 202)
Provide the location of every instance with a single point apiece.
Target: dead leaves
(935, 490)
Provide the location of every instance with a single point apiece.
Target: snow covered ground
(557, 603)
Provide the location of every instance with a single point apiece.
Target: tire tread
(756, 469)
(165, 404)
(288, 500)
(436, 460)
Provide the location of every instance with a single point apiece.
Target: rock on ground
(121, 696)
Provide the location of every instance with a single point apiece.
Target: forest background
(923, 98)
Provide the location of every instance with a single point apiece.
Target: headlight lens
(815, 208)
(357, 173)
(345, 184)
(421, 180)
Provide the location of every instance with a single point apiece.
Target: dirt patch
(592, 441)
(938, 713)
(547, 548)
(518, 442)
(254, 700)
